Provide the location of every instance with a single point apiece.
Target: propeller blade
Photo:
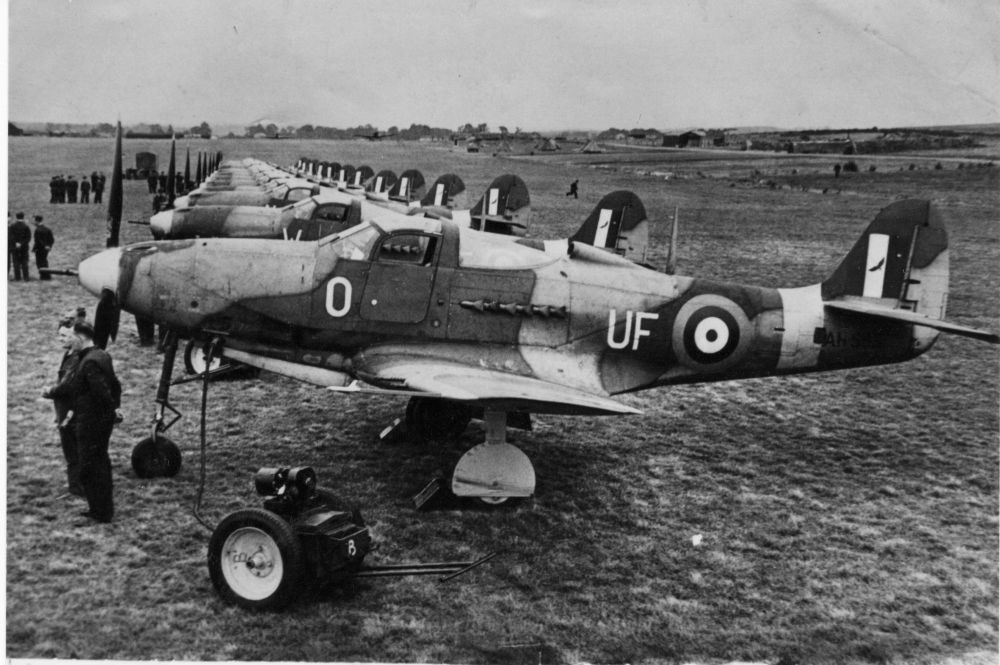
(115, 195)
(106, 319)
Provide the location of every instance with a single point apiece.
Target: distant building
(693, 139)
(14, 130)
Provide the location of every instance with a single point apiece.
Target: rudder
(901, 256)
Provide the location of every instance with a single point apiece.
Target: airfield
(841, 517)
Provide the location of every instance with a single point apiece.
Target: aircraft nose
(100, 271)
(161, 224)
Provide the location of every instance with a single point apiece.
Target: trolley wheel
(255, 560)
(436, 419)
(194, 358)
(153, 459)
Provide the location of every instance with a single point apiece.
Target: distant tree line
(307, 131)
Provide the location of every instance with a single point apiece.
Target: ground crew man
(572, 189)
(95, 393)
(98, 188)
(43, 245)
(19, 242)
(64, 406)
(54, 189)
(84, 190)
(71, 187)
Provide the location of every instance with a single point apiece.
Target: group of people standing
(64, 189)
(19, 243)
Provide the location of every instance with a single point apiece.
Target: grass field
(845, 517)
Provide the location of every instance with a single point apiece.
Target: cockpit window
(407, 248)
(355, 243)
(304, 209)
(299, 193)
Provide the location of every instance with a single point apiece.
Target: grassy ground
(847, 517)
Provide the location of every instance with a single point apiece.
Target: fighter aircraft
(231, 185)
(374, 136)
(503, 205)
(470, 324)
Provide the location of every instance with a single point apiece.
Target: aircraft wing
(879, 311)
(483, 386)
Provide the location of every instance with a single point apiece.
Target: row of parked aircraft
(393, 289)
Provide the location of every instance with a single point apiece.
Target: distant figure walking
(43, 245)
(19, 240)
(836, 170)
(573, 189)
(84, 190)
(152, 182)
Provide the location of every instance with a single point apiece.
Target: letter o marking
(331, 300)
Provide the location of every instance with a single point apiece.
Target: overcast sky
(535, 64)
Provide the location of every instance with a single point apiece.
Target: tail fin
(410, 186)
(362, 175)
(381, 183)
(505, 207)
(617, 223)
(344, 175)
(898, 271)
(447, 192)
(901, 256)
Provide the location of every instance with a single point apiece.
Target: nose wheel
(157, 456)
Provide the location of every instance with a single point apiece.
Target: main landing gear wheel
(435, 419)
(195, 353)
(154, 458)
(493, 473)
(255, 560)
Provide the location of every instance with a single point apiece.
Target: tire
(435, 419)
(255, 560)
(156, 459)
(194, 358)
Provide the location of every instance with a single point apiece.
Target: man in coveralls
(95, 393)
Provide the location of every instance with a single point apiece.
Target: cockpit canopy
(414, 240)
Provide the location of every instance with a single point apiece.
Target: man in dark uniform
(43, 245)
(64, 406)
(572, 189)
(98, 188)
(96, 396)
(60, 189)
(84, 190)
(19, 240)
(54, 189)
(152, 181)
(71, 187)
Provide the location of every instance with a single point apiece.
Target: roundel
(711, 333)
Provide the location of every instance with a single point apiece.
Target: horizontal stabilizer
(879, 311)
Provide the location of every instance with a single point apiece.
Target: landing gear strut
(494, 471)
(156, 455)
(491, 472)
